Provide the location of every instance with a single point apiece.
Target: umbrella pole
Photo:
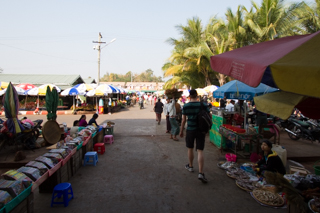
(25, 103)
(38, 102)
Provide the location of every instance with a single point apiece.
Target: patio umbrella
(290, 64)
(26, 86)
(41, 90)
(282, 104)
(96, 92)
(201, 91)
(211, 88)
(11, 107)
(83, 87)
(105, 88)
(3, 84)
(72, 92)
(18, 90)
(238, 90)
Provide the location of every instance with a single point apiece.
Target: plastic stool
(108, 139)
(62, 189)
(99, 147)
(90, 158)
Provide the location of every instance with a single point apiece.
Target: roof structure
(89, 80)
(62, 81)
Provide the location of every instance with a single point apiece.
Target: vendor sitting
(270, 160)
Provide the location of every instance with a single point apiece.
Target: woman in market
(93, 120)
(82, 121)
(270, 160)
(175, 129)
(158, 109)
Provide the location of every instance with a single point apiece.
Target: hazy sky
(55, 37)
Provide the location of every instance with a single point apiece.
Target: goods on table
(14, 188)
(5, 198)
(32, 173)
(62, 152)
(268, 197)
(47, 161)
(303, 183)
(15, 175)
(227, 165)
(38, 165)
(234, 129)
(55, 157)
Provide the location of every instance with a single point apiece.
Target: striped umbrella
(107, 88)
(19, 90)
(3, 84)
(41, 90)
(11, 108)
(83, 87)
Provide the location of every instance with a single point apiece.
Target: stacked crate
(76, 161)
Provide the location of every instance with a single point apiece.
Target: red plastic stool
(108, 139)
(99, 147)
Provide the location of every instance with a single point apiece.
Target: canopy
(83, 87)
(201, 91)
(96, 92)
(282, 104)
(105, 88)
(18, 90)
(238, 90)
(41, 90)
(211, 88)
(11, 107)
(26, 86)
(3, 85)
(290, 64)
(72, 92)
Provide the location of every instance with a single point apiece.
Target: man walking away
(191, 111)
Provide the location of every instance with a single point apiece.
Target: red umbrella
(290, 64)
(26, 86)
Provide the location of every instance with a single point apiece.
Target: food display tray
(15, 201)
(40, 180)
(55, 168)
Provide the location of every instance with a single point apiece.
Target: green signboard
(215, 136)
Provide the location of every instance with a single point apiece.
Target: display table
(236, 138)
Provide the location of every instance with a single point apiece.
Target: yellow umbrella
(3, 85)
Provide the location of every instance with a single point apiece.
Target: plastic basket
(231, 157)
(2, 210)
(15, 201)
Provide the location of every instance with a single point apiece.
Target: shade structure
(3, 84)
(96, 92)
(11, 107)
(83, 87)
(72, 92)
(105, 88)
(41, 90)
(290, 64)
(18, 90)
(238, 90)
(211, 88)
(282, 104)
(201, 91)
(26, 86)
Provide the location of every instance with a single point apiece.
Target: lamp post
(99, 48)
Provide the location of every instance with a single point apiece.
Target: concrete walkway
(143, 171)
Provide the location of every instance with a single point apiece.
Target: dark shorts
(195, 135)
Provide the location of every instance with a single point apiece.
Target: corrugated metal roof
(62, 81)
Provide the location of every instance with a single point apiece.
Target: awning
(290, 64)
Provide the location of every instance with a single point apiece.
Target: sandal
(175, 139)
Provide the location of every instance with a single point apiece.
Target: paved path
(143, 171)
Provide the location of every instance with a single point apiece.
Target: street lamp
(99, 52)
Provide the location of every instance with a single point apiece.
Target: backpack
(204, 120)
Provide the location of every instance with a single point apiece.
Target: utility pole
(99, 42)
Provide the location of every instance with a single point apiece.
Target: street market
(89, 146)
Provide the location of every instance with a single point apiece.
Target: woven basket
(51, 132)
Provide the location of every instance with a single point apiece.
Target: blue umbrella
(238, 90)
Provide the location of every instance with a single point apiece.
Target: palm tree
(271, 20)
(308, 16)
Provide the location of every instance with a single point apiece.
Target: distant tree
(1, 70)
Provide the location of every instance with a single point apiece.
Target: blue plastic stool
(62, 189)
(90, 158)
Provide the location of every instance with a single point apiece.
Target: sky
(56, 37)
